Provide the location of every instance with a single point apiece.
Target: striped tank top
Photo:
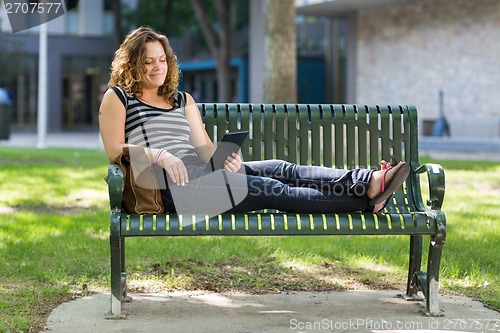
(154, 127)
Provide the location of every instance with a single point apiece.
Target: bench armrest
(435, 174)
(116, 184)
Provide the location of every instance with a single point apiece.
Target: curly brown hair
(128, 65)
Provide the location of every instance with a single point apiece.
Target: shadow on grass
(261, 264)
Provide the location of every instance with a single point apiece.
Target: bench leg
(415, 276)
(426, 282)
(117, 248)
(433, 266)
(123, 274)
(414, 265)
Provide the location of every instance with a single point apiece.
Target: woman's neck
(151, 97)
(150, 94)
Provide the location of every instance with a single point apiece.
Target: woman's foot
(385, 182)
(378, 207)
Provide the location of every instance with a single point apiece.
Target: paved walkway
(350, 311)
(85, 140)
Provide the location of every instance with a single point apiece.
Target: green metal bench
(342, 136)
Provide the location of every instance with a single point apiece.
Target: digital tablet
(231, 143)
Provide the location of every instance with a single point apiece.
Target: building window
(84, 82)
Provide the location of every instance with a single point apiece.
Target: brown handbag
(142, 193)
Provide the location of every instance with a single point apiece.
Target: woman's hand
(232, 163)
(175, 168)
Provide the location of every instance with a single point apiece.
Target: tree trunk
(224, 52)
(117, 22)
(280, 74)
(219, 46)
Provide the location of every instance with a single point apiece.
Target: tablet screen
(231, 143)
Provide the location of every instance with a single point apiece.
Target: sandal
(392, 162)
(402, 172)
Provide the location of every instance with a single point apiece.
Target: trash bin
(5, 111)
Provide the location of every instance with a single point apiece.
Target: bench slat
(273, 224)
(362, 147)
(374, 143)
(316, 126)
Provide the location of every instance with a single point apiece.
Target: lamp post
(42, 87)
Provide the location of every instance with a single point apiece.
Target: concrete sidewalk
(350, 311)
(85, 140)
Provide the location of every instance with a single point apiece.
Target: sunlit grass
(54, 243)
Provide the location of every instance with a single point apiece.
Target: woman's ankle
(375, 184)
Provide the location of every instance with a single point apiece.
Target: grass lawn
(54, 243)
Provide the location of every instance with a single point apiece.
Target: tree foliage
(219, 42)
(209, 23)
(168, 16)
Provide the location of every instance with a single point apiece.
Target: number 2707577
(33, 7)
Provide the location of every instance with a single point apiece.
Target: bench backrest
(344, 136)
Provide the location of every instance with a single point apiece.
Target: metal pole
(441, 103)
(42, 87)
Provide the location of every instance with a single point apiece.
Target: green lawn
(54, 243)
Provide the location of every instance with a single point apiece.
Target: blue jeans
(273, 184)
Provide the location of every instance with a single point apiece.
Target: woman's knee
(265, 168)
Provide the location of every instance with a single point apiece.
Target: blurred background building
(406, 51)
(79, 52)
(349, 51)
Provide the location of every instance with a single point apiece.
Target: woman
(144, 108)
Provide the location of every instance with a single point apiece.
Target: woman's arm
(198, 135)
(201, 141)
(112, 116)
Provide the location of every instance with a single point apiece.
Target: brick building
(406, 51)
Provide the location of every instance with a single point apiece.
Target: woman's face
(156, 65)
